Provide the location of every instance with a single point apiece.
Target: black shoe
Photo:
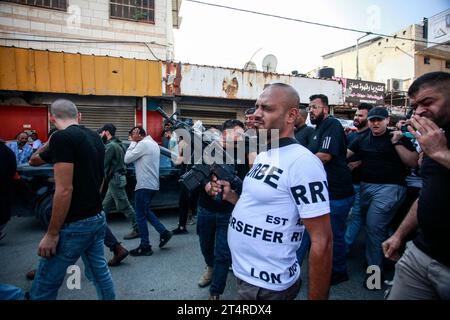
(142, 251)
(165, 237)
(337, 278)
(180, 230)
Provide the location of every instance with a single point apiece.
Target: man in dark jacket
(7, 171)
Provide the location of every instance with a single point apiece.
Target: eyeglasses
(313, 107)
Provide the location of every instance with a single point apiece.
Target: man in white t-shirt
(284, 192)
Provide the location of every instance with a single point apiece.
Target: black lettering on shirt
(316, 189)
(274, 173)
(266, 276)
(262, 172)
(253, 171)
(239, 226)
(299, 193)
(256, 232)
(296, 236)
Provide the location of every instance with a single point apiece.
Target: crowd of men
(306, 195)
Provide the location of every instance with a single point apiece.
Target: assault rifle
(201, 173)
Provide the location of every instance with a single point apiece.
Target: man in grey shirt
(144, 152)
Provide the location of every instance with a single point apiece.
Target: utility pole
(357, 54)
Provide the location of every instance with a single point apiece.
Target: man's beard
(360, 125)
(104, 139)
(317, 119)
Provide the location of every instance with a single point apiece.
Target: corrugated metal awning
(59, 72)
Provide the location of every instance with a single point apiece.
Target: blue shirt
(22, 155)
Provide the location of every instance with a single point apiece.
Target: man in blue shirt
(21, 148)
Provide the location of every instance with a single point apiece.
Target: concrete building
(395, 62)
(105, 27)
(214, 94)
(101, 54)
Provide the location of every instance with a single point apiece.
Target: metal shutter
(94, 117)
(208, 118)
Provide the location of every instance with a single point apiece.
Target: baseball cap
(108, 127)
(378, 113)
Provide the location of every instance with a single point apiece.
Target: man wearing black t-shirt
(355, 220)
(423, 271)
(329, 145)
(77, 225)
(385, 156)
(302, 132)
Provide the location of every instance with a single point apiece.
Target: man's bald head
(288, 96)
(64, 109)
(303, 113)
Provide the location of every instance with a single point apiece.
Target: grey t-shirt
(145, 155)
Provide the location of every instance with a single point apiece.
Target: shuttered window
(49, 4)
(94, 117)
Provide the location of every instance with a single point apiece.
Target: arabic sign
(439, 28)
(357, 91)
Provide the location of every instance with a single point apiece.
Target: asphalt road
(170, 273)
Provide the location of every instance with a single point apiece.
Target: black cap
(378, 113)
(108, 127)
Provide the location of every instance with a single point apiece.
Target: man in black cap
(385, 156)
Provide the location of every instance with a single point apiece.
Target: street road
(170, 273)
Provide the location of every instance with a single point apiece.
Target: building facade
(103, 55)
(395, 62)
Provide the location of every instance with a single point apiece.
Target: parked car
(33, 192)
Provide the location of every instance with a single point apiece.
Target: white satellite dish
(269, 63)
(250, 66)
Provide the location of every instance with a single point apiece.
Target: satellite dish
(250, 66)
(269, 63)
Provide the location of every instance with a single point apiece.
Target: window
(49, 4)
(447, 64)
(426, 60)
(134, 10)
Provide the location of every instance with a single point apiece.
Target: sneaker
(337, 278)
(165, 237)
(214, 297)
(389, 282)
(180, 230)
(206, 277)
(191, 221)
(120, 253)
(142, 251)
(31, 274)
(132, 235)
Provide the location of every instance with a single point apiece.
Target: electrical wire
(85, 42)
(311, 22)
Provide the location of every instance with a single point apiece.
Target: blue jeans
(80, 238)
(355, 221)
(338, 217)
(212, 228)
(379, 203)
(9, 292)
(110, 240)
(142, 201)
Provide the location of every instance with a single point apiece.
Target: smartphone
(406, 133)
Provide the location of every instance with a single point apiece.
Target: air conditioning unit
(395, 84)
